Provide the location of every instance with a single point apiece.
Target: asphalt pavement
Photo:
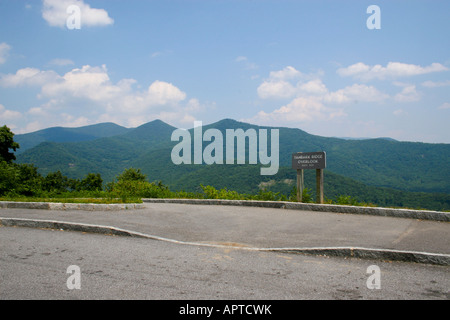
(267, 229)
(53, 265)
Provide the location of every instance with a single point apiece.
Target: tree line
(19, 181)
(25, 179)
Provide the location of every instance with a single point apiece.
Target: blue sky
(313, 65)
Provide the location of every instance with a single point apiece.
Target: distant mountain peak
(66, 134)
(229, 123)
(157, 123)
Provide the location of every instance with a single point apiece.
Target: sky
(331, 68)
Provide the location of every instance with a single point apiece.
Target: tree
(29, 179)
(55, 182)
(7, 178)
(7, 142)
(132, 174)
(92, 182)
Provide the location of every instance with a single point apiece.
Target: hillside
(382, 163)
(60, 134)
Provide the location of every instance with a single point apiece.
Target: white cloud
(408, 94)
(445, 105)
(301, 109)
(61, 62)
(276, 89)
(398, 112)
(316, 87)
(241, 58)
(309, 100)
(4, 50)
(285, 74)
(73, 121)
(277, 85)
(354, 69)
(160, 53)
(33, 126)
(6, 115)
(248, 65)
(92, 83)
(88, 95)
(356, 92)
(27, 76)
(163, 93)
(55, 13)
(436, 84)
(156, 54)
(37, 111)
(392, 70)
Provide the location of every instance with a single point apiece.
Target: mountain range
(61, 134)
(392, 170)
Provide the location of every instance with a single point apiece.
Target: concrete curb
(375, 254)
(70, 206)
(350, 252)
(377, 211)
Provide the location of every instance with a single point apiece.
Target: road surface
(35, 265)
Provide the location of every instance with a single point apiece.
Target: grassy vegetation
(25, 182)
(369, 172)
(69, 199)
(405, 166)
(22, 182)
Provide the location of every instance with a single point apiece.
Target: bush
(92, 182)
(306, 195)
(126, 189)
(212, 193)
(55, 182)
(132, 174)
(270, 196)
(29, 180)
(209, 192)
(7, 177)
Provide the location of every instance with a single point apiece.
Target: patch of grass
(73, 200)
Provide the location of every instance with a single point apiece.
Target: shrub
(126, 189)
(92, 182)
(306, 195)
(7, 177)
(132, 174)
(347, 200)
(212, 193)
(270, 196)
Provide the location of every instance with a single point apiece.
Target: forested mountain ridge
(406, 166)
(61, 134)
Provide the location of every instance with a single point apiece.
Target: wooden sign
(309, 160)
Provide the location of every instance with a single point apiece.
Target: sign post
(309, 160)
(319, 185)
(299, 185)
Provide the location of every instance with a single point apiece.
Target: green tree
(132, 174)
(29, 180)
(92, 182)
(7, 142)
(55, 182)
(7, 177)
